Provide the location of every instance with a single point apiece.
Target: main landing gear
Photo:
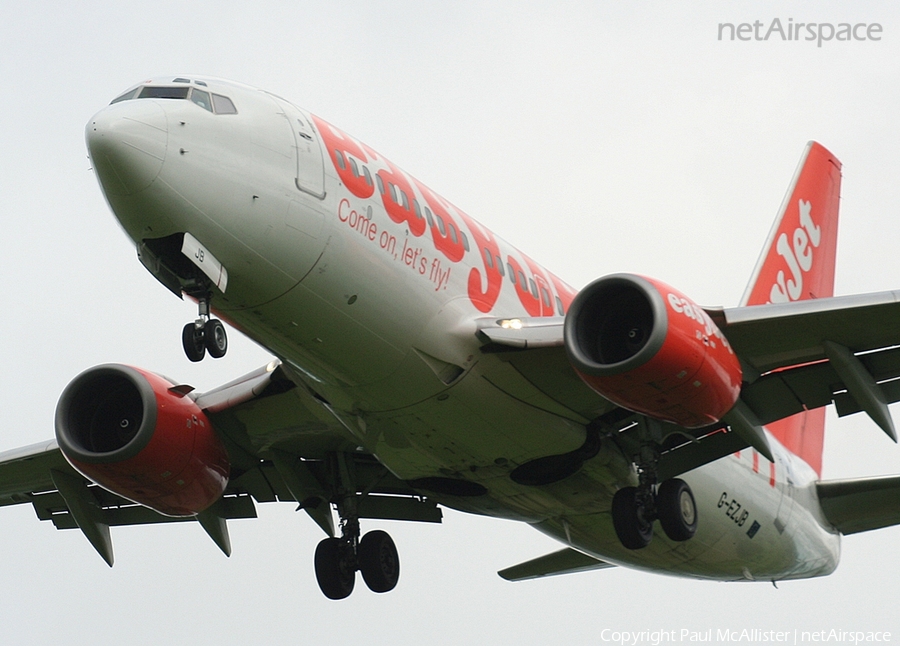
(671, 503)
(204, 335)
(634, 510)
(338, 559)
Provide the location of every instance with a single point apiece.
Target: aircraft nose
(127, 144)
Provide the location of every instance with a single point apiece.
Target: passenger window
(368, 175)
(522, 280)
(545, 297)
(453, 235)
(380, 184)
(417, 209)
(428, 217)
(223, 104)
(559, 307)
(465, 240)
(338, 155)
(488, 258)
(533, 287)
(440, 222)
(403, 199)
(393, 193)
(201, 98)
(354, 167)
(500, 266)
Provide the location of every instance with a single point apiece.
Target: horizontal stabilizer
(565, 561)
(861, 504)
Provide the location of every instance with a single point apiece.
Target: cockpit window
(201, 98)
(211, 102)
(124, 97)
(158, 92)
(223, 104)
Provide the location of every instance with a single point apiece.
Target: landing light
(511, 324)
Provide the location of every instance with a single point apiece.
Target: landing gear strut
(635, 508)
(205, 334)
(338, 559)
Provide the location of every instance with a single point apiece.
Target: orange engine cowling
(648, 348)
(129, 432)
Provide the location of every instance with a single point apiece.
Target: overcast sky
(596, 137)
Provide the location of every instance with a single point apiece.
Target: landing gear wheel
(334, 572)
(215, 338)
(193, 342)
(676, 509)
(632, 528)
(378, 561)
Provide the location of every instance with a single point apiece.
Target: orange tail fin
(798, 263)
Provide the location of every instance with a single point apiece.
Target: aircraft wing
(808, 354)
(795, 356)
(279, 445)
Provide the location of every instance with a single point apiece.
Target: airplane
(423, 362)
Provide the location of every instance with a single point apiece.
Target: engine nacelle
(650, 349)
(126, 430)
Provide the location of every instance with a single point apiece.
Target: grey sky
(595, 137)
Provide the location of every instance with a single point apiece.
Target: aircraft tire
(333, 572)
(379, 561)
(632, 528)
(193, 342)
(215, 338)
(677, 509)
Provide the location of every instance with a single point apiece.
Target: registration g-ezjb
(420, 361)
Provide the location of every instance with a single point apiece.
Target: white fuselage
(376, 310)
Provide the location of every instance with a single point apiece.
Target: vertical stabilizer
(797, 263)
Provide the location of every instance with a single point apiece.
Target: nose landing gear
(204, 335)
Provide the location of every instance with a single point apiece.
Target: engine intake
(128, 431)
(650, 349)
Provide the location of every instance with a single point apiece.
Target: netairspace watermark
(795, 637)
(818, 32)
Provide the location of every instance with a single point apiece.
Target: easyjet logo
(421, 212)
(797, 252)
(695, 312)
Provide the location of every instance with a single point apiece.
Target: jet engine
(137, 435)
(650, 349)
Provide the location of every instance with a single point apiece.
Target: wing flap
(862, 504)
(789, 391)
